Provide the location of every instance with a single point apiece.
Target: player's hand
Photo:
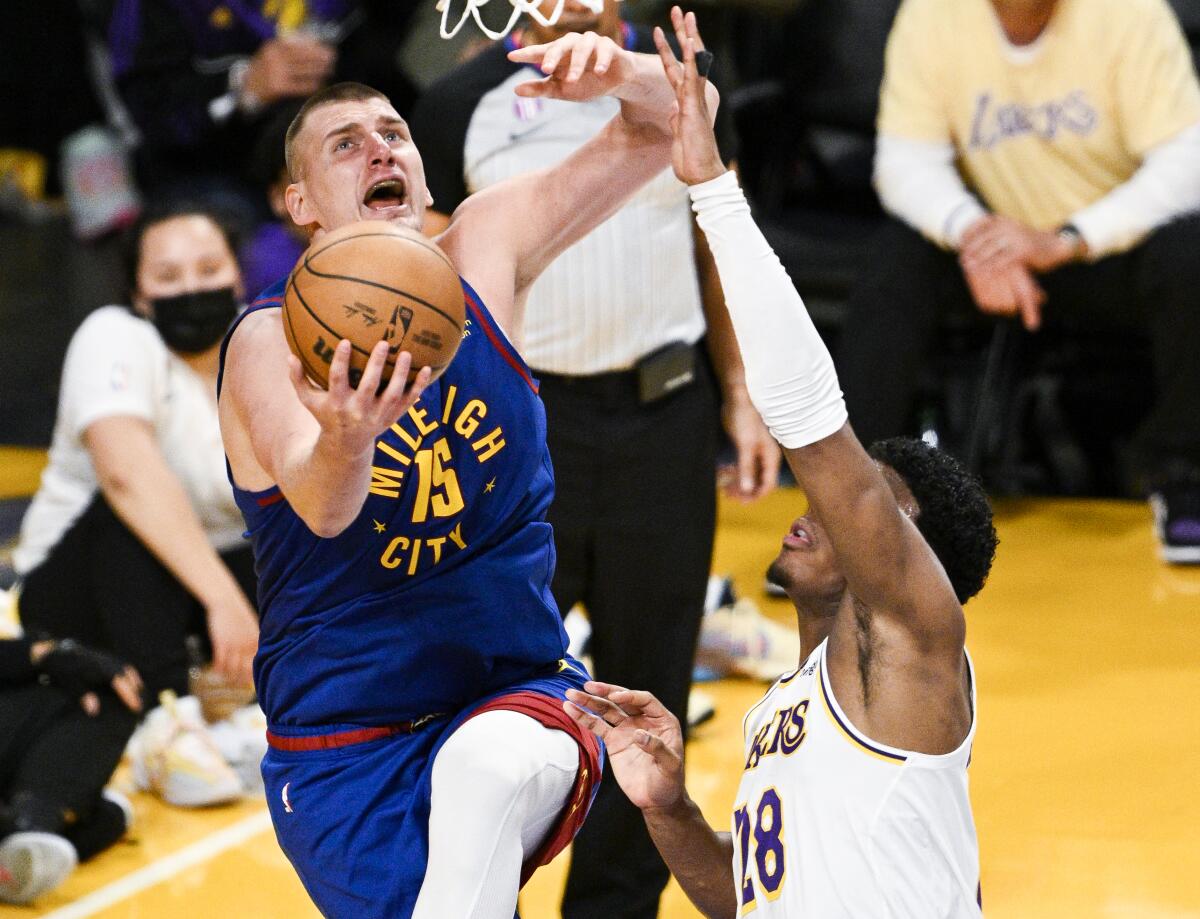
(352, 418)
(995, 240)
(758, 456)
(644, 741)
(233, 632)
(1006, 289)
(694, 154)
(285, 68)
(578, 67)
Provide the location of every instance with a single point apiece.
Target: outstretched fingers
(609, 711)
(587, 720)
(670, 65)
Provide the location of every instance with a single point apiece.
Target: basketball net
(519, 7)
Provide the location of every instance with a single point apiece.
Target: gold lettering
(393, 452)
(418, 416)
(452, 502)
(389, 559)
(412, 442)
(436, 544)
(386, 482)
(456, 536)
(412, 564)
(451, 392)
(467, 422)
(490, 444)
(779, 719)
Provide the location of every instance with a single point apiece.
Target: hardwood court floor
(1085, 768)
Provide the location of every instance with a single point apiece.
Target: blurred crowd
(991, 207)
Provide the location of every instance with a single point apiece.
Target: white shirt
(830, 824)
(627, 288)
(117, 365)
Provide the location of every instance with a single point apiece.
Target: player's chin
(395, 213)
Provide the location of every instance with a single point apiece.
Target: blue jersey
(439, 592)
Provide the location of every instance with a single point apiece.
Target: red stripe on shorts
(548, 711)
(345, 738)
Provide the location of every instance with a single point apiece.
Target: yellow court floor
(1085, 769)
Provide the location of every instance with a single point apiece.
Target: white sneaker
(242, 740)
(739, 640)
(175, 757)
(32, 864)
(701, 707)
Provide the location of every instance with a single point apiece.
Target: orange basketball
(370, 281)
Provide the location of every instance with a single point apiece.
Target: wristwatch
(1068, 232)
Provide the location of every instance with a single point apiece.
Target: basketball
(367, 282)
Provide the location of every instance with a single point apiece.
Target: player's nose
(380, 149)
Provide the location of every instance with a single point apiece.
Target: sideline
(164, 868)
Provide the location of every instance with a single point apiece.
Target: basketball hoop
(519, 7)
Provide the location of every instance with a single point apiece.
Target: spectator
(57, 698)
(612, 330)
(201, 76)
(133, 540)
(1041, 160)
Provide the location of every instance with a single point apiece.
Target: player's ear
(428, 197)
(297, 205)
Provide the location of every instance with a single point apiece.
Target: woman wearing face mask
(133, 541)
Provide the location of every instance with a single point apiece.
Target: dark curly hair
(954, 514)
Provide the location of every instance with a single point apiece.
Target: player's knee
(498, 753)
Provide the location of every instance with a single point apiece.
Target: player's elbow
(325, 524)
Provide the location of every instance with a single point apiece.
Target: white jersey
(830, 824)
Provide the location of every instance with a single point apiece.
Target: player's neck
(814, 621)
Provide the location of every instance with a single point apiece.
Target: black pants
(633, 519)
(910, 285)
(102, 586)
(54, 761)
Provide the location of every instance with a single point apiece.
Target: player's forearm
(326, 482)
(789, 372)
(700, 859)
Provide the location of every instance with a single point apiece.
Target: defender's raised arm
(532, 218)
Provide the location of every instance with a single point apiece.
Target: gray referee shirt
(623, 291)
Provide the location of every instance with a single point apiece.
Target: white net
(532, 7)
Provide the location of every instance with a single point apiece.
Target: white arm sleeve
(917, 182)
(789, 373)
(1165, 187)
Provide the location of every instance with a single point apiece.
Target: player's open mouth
(799, 535)
(388, 193)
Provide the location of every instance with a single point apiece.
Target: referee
(614, 332)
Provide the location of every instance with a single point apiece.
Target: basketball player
(412, 662)
(853, 800)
